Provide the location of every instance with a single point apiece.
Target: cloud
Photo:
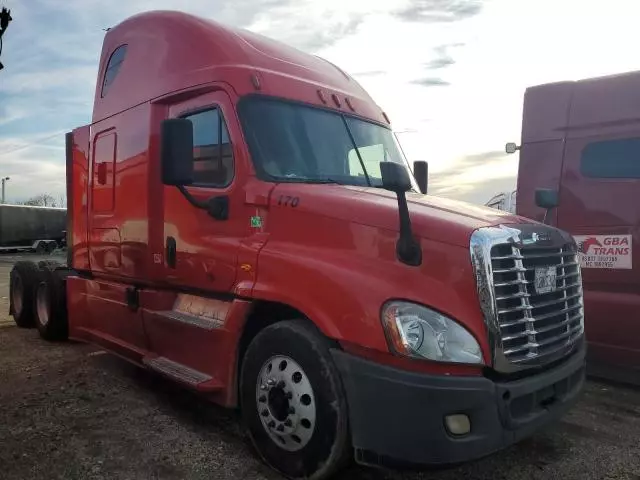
(440, 62)
(43, 79)
(477, 160)
(439, 10)
(37, 169)
(369, 73)
(479, 192)
(442, 59)
(51, 57)
(431, 82)
(287, 24)
(476, 177)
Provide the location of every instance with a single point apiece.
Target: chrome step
(182, 373)
(206, 323)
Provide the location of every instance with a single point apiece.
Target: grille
(536, 321)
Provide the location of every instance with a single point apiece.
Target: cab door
(599, 205)
(204, 249)
(201, 249)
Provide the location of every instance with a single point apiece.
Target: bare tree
(45, 200)
(5, 18)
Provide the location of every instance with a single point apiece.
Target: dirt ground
(69, 411)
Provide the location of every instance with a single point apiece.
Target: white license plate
(545, 281)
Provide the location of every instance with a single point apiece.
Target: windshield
(295, 143)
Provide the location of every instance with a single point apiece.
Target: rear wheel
(41, 247)
(50, 305)
(22, 281)
(50, 264)
(293, 401)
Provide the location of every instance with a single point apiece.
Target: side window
(113, 67)
(212, 150)
(611, 159)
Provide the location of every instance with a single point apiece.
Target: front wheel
(293, 401)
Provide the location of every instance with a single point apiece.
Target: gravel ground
(69, 411)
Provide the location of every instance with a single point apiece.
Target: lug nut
(271, 424)
(292, 410)
(289, 395)
(271, 382)
(288, 422)
(280, 428)
(281, 384)
(265, 413)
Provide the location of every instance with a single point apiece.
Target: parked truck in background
(503, 201)
(241, 220)
(579, 156)
(26, 227)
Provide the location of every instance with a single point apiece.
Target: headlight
(417, 331)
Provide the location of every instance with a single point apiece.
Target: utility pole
(5, 18)
(4, 181)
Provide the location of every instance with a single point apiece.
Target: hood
(438, 219)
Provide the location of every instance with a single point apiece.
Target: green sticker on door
(256, 221)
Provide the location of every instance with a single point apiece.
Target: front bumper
(397, 417)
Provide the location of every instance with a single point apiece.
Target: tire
(50, 264)
(312, 448)
(22, 281)
(41, 248)
(50, 305)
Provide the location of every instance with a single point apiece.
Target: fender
(348, 287)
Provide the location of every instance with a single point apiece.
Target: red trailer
(242, 221)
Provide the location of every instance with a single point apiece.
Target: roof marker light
(322, 97)
(386, 117)
(336, 100)
(347, 100)
(255, 81)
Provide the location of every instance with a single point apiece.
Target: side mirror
(176, 151)
(511, 148)
(421, 172)
(395, 177)
(546, 198)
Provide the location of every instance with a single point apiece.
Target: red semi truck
(579, 154)
(241, 220)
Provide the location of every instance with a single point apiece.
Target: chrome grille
(534, 324)
(528, 326)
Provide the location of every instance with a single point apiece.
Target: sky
(450, 74)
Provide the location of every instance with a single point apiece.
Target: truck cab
(243, 221)
(503, 201)
(580, 143)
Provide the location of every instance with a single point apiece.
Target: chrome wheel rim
(286, 403)
(17, 294)
(42, 304)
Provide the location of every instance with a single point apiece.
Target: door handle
(171, 251)
(102, 173)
